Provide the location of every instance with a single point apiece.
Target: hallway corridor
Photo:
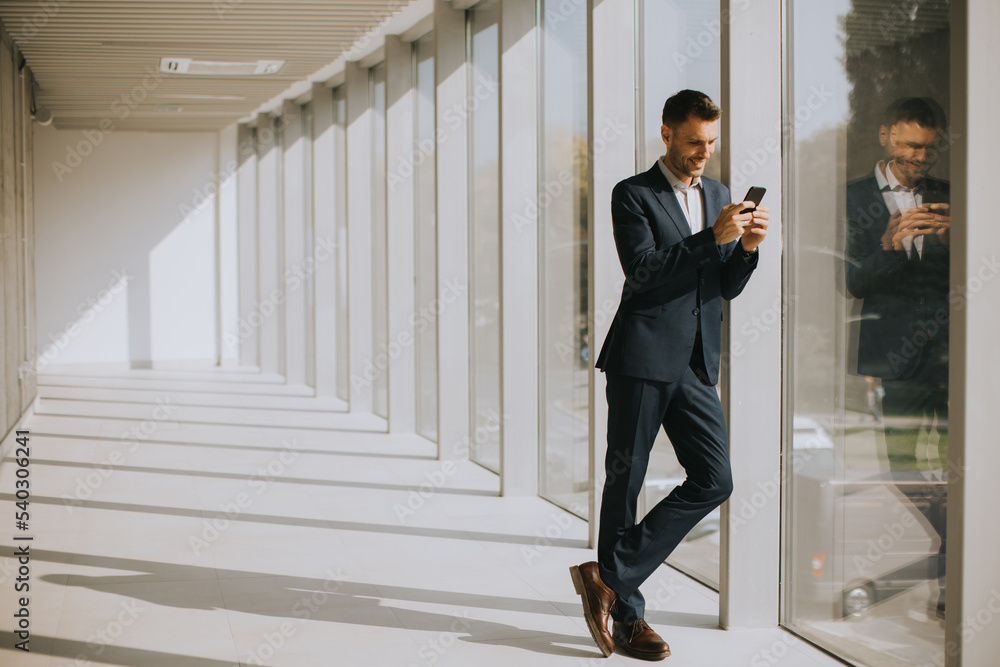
(232, 518)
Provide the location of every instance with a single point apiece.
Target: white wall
(126, 203)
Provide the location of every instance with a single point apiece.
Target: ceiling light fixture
(217, 68)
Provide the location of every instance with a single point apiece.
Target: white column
(246, 179)
(453, 235)
(325, 226)
(359, 237)
(519, 122)
(400, 119)
(612, 100)
(227, 244)
(270, 306)
(293, 223)
(751, 118)
(973, 580)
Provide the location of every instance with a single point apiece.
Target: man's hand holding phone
(746, 220)
(729, 225)
(756, 229)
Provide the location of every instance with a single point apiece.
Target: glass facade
(866, 341)
(425, 327)
(687, 56)
(484, 239)
(380, 268)
(863, 312)
(564, 342)
(340, 212)
(309, 237)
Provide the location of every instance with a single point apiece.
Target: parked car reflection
(858, 540)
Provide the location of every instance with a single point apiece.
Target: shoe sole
(588, 613)
(644, 656)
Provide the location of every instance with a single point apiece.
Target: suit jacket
(904, 316)
(674, 280)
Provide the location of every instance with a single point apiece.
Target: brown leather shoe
(598, 600)
(639, 640)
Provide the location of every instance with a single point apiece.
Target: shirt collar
(676, 183)
(891, 182)
(880, 179)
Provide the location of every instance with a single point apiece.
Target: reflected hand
(919, 221)
(944, 229)
(891, 230)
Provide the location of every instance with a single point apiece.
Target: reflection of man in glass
(897, 261)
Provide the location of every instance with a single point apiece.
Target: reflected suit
(903, 336)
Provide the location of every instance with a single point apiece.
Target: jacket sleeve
(736, 272)
(868, 267)
(645, 267)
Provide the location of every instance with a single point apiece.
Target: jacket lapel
(713, 201)
(876, 209)
(668, 200)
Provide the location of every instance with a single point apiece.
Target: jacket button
(695, 311)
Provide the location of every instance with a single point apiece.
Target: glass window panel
(484, 214)
(307, 219)
(564, 351)
(340, 210)
(866, 349)
(426, 238)
(680, 49)
(380, 275)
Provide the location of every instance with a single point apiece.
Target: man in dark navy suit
(683, 247)
(897, 261)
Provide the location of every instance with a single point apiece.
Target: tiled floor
(178, 520)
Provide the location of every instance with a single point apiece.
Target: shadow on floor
(240, 446)
(303, 522)
(81, 652)
(284, 480)
(333, 600)
(338, 600)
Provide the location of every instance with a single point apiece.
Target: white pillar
(400, 206)
(973, 580)
(359, 237)
(227, 245)
(453, 233)
(751, 118)
(270, 306)
(293, 222)
(612, 100)
(246, 178)
(324, 138)
(519, 122)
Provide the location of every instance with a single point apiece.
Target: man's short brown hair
(686, 103)
(924, 111)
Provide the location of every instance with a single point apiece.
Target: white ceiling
(92, 58)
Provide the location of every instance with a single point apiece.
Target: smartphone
(754, 194)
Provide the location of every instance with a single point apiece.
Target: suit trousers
(910, 406)
(691, 414)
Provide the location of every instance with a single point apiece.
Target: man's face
(911, 147)
(690, 146)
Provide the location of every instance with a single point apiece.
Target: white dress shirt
(688, 196)
(900, 198)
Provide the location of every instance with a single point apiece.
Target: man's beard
(914, 170)
(680, 163)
